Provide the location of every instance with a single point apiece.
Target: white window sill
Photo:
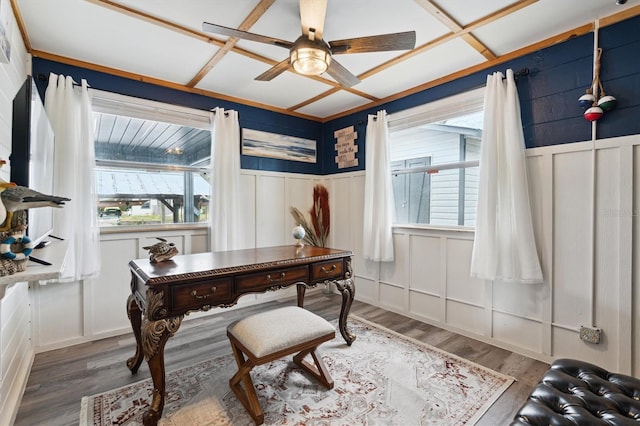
(427, 227)
(153, 228)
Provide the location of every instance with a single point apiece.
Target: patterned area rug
(384, 378)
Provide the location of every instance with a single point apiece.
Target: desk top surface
(227, 262)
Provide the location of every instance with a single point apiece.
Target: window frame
(145, 109)
(457, 105)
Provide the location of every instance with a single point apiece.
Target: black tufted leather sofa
(574, 393)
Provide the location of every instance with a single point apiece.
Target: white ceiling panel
(329, 105)
(153, 52)
(194, 12)
(431, 65)
(357, 18)
(542, 20)
(281, 20)
(466, 12)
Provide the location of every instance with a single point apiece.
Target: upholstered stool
(575, 392)
(270, 335)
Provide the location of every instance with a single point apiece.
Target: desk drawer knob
(203, 296)
(279, 278)
(330, 270)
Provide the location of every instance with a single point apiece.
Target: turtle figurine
(159, 252)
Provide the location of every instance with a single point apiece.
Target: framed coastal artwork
(272, 145)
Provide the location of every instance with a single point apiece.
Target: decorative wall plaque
(346, 147)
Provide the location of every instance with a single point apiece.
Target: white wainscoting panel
(463, 316)
(200, 243)
(343, 203)
(107, 302)
(517, 331)
(424, 264)
(248, 203)
(392, 296)
(606, 282)
(524, 300)
(362, 268)
(572, 238)
(270, 210)
(56, 325)
(567, 344)
(299, 194)
(366, 290)
(397, 272)
(460, 285)
(426, 306)
(16, 354)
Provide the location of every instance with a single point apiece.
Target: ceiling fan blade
(232, 32)
(341, 74)
(312, 14)
(274, 71)
(377, 43)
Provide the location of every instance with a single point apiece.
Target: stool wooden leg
(247, 396)
(319, 370)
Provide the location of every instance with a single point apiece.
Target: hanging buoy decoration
(586, 100)
(593, 113)
(595, 100)
(607, 103)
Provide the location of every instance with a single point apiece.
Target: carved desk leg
(348, 290)
(156, 330)
(154, 337)
(135, 317)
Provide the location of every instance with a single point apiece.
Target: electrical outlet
(590, 334)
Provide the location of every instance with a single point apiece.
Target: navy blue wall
(558, 76)
(249, 117)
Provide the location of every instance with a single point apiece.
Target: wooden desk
(162, 293)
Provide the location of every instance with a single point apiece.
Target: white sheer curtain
(226, 226)
(69, 110)
(504, 247)
(377, 244)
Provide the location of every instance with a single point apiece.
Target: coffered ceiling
(163, 42)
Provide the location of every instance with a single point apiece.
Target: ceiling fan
(310, 54)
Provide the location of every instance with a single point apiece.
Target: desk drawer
(196, 295)
(278, 277)
(327, 270)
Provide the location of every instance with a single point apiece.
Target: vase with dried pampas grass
(316, 232)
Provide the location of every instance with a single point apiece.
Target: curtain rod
(520, 73)
(42, 77)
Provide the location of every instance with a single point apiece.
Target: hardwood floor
(60, 378)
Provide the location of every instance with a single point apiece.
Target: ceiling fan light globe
(310, 60)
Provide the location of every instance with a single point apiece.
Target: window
(152, 162)
(435, 151)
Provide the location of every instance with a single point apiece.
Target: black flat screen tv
(31, 159)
